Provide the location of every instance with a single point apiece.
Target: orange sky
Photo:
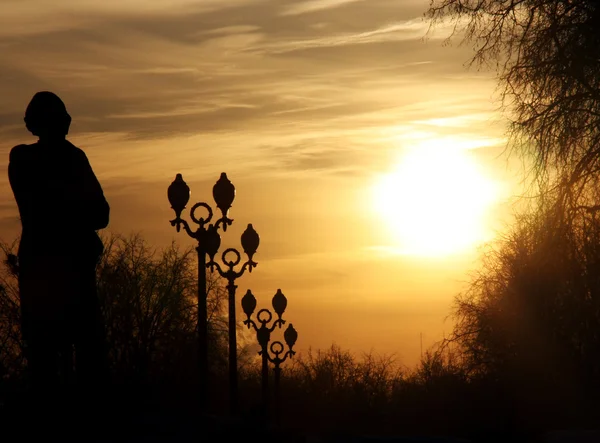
(305, 105)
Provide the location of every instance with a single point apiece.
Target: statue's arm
(95, 208)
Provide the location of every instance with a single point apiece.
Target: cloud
(29, 17)
(301, 102)
(314, 5)
(396, 32)
(142, 70)
(290, 96)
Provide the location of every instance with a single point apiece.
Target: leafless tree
(531, 314)
(547, 57)
(11, 344)
(149, 301)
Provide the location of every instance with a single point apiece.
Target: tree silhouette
(527, 326)
(530, 317)
(148, 297)
(547, 56)
(11, 344)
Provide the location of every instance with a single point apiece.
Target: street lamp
(209, 241)
(263, 335)
(250, 241)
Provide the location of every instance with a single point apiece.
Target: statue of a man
(62, 205)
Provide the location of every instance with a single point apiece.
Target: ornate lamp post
(263, 335)
(250, 241)
(209, 241)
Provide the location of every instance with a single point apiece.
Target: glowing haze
(436, 200)
(365, 156)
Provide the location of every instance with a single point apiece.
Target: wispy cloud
(408, 30)
(224, 68)
(29, 17)
(302, 102)
(314, 5)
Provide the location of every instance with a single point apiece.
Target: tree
(527, 325)
(11, 344)
(149, 301)
(333, 387)
(547, 56)
(530, 317)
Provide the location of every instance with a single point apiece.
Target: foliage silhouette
(11, 344)
(548, 63)
(148, 299)
(529, 319)
(469, 387)
(527, 326)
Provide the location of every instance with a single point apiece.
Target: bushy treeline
(524, 355)
(149, 301)
(530, 320)
(523, 358)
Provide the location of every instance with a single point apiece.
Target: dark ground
(119, 420)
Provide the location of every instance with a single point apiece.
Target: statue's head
(46, 116)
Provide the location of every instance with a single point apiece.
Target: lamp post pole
(209, 241)
(202, 325)
(263, 335)
(277, 349)
(250, 241)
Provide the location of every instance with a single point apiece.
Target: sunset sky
(368, 157)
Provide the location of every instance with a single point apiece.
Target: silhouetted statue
(61, 204)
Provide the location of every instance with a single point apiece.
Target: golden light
(435, 201)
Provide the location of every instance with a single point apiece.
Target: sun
(435, 201)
